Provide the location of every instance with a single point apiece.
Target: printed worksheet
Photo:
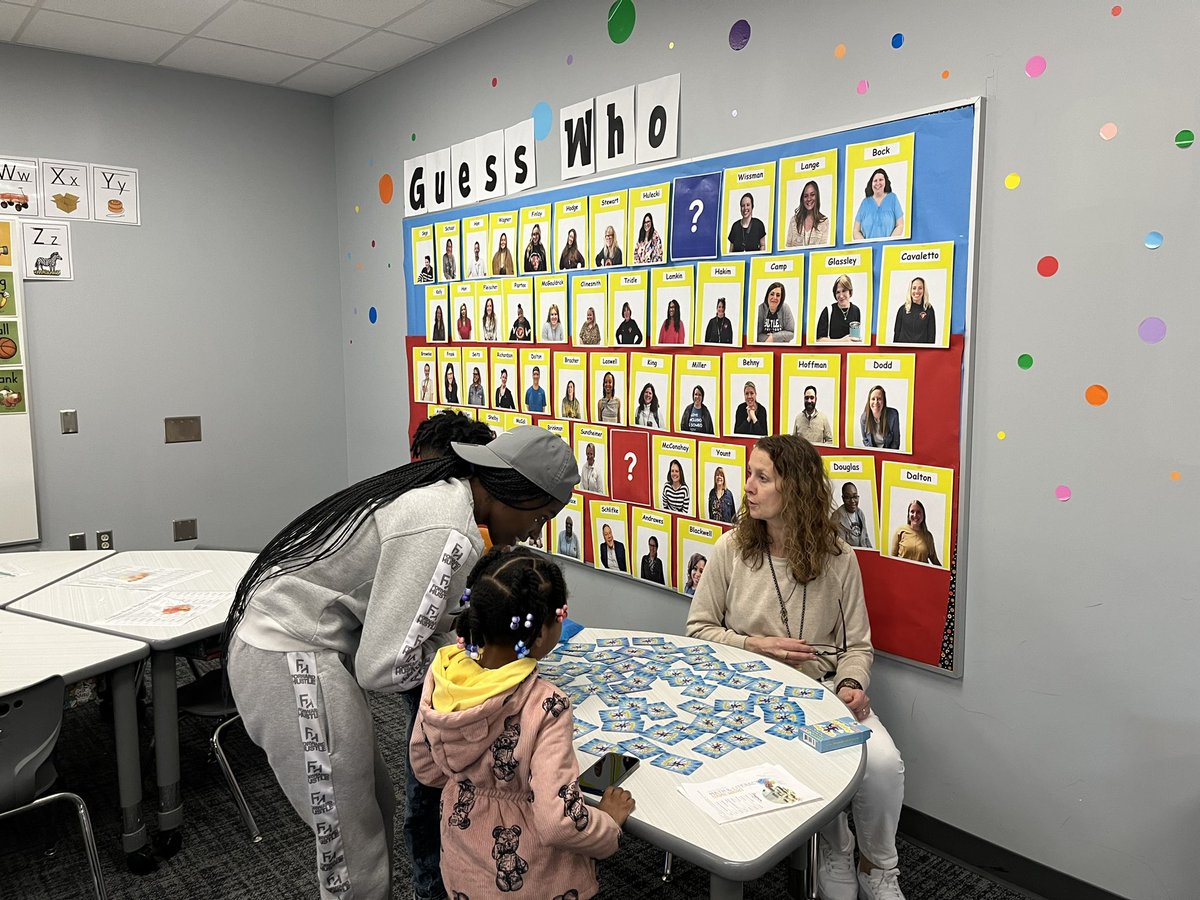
(748, 792)
(140, 578)
(170, 608)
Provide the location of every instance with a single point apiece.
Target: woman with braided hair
(357, 594)
(497, 739)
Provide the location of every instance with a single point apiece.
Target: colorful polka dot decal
(570, 58)
(495, 81)
(1001, 435)
(945, 74)
(1152, 329)
(839, 51)
(1116, 11)
(387, 188)
(373, 315)
(1175, 476)
(621, 19)
(1063, 493)
(413, 136)
(1047, 266)
(1036, 66)
(1096, 394)
(1185, 138)
(863, 86)
(543, 120)
(1109, 130)
(739, 35)
(372, 245)
(357, 208)
(1025, 361)
(671, 45)
(1012, 181)
(897, 41)
(1154, 240)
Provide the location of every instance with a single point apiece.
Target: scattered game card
(741, 740)
(763, 685)
(582, 727)
(682, 764)
(699, 690)
(789, 731)
(714, 748)
(803, 693)
(599, 746)
(659, 711)
(641, 748)
(754, 665)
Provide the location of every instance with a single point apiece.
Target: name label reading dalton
(912, 475)
(885, 150)
(850, 468)
(812, 365)
(537, 356)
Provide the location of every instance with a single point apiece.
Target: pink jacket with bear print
(512, 816)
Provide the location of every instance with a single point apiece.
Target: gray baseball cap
(533, 452)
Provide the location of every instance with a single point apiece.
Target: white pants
(877, 803)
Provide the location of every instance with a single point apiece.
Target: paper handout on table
(170, 608)
(748, 792)
(140, 578)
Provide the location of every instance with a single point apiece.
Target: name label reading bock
(883, 150)
(850, 468)
(912, 475)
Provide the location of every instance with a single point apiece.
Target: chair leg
(667, 861)
(234, 788)
(89, 841)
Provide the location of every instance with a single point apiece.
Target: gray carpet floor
(42, 858)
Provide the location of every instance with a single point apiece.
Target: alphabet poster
(47, 251)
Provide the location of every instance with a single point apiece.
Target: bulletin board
(18, 494)
(889, 361)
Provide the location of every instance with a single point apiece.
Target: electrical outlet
(185, 529)
(77, 541)
(104, 540)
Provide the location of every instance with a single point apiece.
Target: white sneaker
(880, 884)
(835, 872)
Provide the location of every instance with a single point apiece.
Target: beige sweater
(735, 601)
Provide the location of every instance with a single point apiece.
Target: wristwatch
(850, 683)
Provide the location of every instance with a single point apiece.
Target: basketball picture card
(490, 300)
(477, 374)
(749, 394)
(608, 214)
(653, 546)
(810, 388)
(590, 443)
(840, 299)
(916, 286)
(567, 531)
(463, 297)
(535, 376)
(719, 299)
(650, 390)
(697, 395)
(437, 309)
(748, 208)
(519, 313)
(589, 307)
(916, 509)
(571, 235)
(672, 298)
(502, 238)
(721, 479)
(674, 465)
(570, 399)
(649, 214)
(855, 512)
(550, 295)
(808, 201)
(505, 378)
(879, 401)
(878, 189)
(424, 375)
(535, 240)
(694, 542)
(627, 307)
(475, 243)
(607, 379)
(453, 392)
(449, 253)
(422, 255)
(775, 312)
(609, 522)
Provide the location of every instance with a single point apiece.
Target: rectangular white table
(740, 851)
(90, 607)
(43, 567)
(33, 649)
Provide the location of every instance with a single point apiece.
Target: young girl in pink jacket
(497, 739)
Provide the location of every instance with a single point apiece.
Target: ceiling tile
(232, 61)
(281, 30)
(108, 40)
(444, 20)
(328, 79)
(372, 13)
(381, 51)
(11, 17)
(169, 15)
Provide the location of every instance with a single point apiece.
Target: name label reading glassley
(840, 261)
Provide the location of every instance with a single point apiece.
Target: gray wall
(1071, 739)
(223, 304)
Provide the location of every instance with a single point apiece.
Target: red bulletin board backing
(909, 603)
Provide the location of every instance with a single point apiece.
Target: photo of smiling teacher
(357, 594)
